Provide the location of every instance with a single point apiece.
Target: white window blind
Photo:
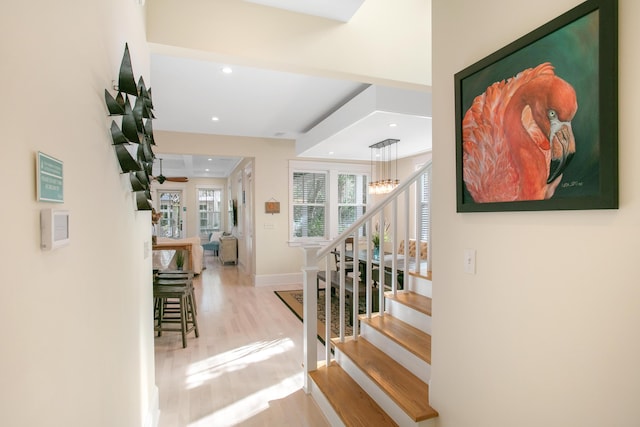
(209, 211)
(352, 199)
(424, 207)
(309, 204)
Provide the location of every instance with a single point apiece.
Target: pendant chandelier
(384, 161)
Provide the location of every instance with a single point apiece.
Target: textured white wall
(77, 333)
(546, 332)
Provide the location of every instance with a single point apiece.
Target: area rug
(293, 300)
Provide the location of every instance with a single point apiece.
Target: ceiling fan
(161, 178)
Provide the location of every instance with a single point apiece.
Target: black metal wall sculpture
(132, 140)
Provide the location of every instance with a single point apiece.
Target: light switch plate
(470, 261)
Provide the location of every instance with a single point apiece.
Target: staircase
(379, 375)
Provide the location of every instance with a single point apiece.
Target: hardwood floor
(245, 369)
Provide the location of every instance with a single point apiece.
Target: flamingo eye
(551, 114)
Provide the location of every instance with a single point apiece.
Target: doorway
(171, 222)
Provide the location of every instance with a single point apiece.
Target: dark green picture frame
(582, 46)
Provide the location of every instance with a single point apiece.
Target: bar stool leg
(194, 318)
(160, 315)
(183, 320)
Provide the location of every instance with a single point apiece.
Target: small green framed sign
(49, 181)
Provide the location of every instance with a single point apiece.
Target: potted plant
(375, 239)
(179, 259)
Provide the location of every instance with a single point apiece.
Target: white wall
(546, 332)
(367, 49)
(77, 340)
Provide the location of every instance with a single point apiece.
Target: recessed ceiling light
(227, 70)
(392, 125)
(214, 119)
(331, 153)
(210, 159)
(206, 170)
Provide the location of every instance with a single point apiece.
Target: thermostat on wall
(54, 228)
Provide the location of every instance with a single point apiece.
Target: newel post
(310, 312)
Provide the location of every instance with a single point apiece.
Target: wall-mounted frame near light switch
(54, 228)
(469, 261)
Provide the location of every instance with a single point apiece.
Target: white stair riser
(413, 363)
(420, 286)
(408, 315)
(325, 406)
(372, 389)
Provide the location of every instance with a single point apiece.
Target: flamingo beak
(563, 147)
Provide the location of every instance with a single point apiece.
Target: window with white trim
(325, 198)
(309, 204)
(352, 199)
(424, 207)
(209, 210)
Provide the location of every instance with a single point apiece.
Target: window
(425, 187)
(171, 219)
(325, 198)
(209, 212)
(352, 199)
(309, 204)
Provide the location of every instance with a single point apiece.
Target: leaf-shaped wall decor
(129, 125)
(115, 109)
(143, 200)
(126, 81)
(127, 162)
(136, 184)
(136, 160)
(148, 132)
(116, 135)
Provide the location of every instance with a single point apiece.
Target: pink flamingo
(517, 137)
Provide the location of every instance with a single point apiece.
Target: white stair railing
(389, 265)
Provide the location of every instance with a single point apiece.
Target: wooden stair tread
(404, 388)
(426, 275)
(352, 404)
(413, 339)
(416, 301)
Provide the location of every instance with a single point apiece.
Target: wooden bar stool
(177, 277)
(184, 313)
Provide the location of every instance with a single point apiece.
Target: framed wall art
(272, 206)
(49, 178)
(537, 121)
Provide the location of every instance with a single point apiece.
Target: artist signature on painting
(572, 184)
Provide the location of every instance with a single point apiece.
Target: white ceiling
(328, 118)
(178, 165)
(339, 10)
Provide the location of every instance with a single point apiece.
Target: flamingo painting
(517, 138)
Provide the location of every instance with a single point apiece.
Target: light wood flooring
(245, 369)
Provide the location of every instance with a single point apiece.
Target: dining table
(386, 260)
(176, 246)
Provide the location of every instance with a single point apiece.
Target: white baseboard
(278, 279)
